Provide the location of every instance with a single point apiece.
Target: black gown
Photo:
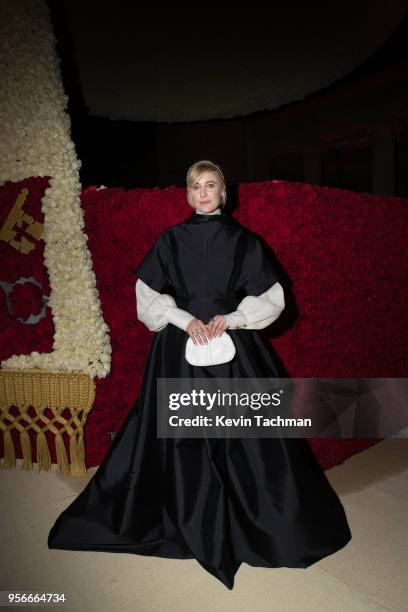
(222, 501)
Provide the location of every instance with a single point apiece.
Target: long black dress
(262, 501)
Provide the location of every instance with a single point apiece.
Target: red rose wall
(343, 252)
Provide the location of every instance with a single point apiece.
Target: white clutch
(218, 350)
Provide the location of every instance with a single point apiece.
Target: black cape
(262, 501)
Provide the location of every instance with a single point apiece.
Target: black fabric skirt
(222, 501)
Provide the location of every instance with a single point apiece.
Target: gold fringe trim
(26, 448)
(41, 390)
(62, 457)
(9, 454)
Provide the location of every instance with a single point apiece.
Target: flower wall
(344, 256)
(36, 142)
(26, 323)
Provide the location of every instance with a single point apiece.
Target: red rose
(25, 299)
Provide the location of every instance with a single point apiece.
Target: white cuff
(257, 312)
(235, 319)
(178, 317)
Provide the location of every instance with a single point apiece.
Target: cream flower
(36, 141)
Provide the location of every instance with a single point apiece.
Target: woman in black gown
(222, 501)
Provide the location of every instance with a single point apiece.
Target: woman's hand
(217, 326)
(202, 333)
(197, 330)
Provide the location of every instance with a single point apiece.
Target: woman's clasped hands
(201, 332)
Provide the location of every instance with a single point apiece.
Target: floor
(370, 573)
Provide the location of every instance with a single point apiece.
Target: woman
(262, 501)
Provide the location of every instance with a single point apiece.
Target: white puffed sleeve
(257, 312)
(156, 310)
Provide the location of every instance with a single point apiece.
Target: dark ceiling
(168, 67)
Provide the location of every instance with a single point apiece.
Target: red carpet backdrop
(343, 252)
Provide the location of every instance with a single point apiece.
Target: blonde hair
(196, 170)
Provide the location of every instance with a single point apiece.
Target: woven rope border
(56, 391)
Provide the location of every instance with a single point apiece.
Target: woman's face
(206, 192)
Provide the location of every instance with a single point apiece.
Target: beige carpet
(370, 573)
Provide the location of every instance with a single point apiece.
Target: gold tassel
(9, 454)
(26, 448)
(43, 453)
(77, 457)
(53, 390)
(81, 447)
(73, 454)
(62, 456)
